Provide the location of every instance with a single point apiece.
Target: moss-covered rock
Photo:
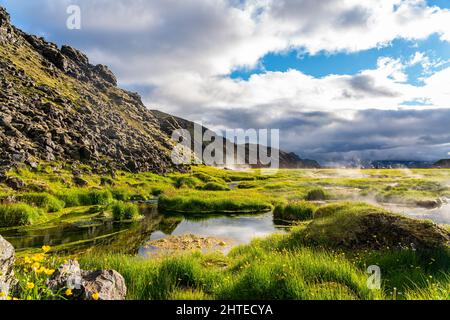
(353, 226)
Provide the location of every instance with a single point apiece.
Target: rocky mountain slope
(55, 105)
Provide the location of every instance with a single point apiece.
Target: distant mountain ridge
(443, 164)
(287, 160)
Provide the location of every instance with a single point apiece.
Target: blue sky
(323, 64)
(317, 70)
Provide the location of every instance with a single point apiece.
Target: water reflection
(234, 229)
(104, 235)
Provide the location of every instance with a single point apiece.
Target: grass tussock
(214, 186)
(214, 202)
(80, 197)
(45, 201)
(13, 215)
(298, 211)
(125, 211)
(317, 194)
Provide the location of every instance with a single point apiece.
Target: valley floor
(293, 234)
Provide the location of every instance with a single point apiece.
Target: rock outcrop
(7, 259)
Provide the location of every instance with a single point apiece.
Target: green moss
(356, 226)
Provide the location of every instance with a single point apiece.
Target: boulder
(67, 276)
(430, 204)
(15, 183)
(79, 182)
(7, 258)
(107, 284)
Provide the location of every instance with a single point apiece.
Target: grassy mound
(13, 215)
(214, 186)
(213, 202)
(317, 194)
(125, 211)
(80, 197)
(347, 225)
(300, 211)
(43, 200)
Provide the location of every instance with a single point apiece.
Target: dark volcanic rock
(15, 183)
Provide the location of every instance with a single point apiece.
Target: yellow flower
(41, 270)
(38, 257)
(96, 296)
(2, 294)
(69, 292)
(46, 249)
(49, 272)
(28, 260)
(35, 266)
(30, 285)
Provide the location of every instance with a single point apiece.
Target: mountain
(57, 106)
(443, 164)
(287, 160)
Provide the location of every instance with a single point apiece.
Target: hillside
(55, 105)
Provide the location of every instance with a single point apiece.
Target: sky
(342, 79)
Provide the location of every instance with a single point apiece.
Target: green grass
(214, 186)
(125, 211)
(82, 197)
(214, 202)
(325, 257)
(300, 211)
(250, 273)
(13, 215)
(45, 201)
